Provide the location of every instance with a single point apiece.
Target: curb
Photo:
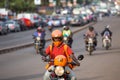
(13, 48)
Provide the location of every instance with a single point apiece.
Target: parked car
(63, 20)
(22, 24)
(113, 11)
(42, 22)
(56, 22)
(85, 20)
(31, 20)
(76, 21)
(12, 26)
(3, 28)
(69, 18)
(27, 23)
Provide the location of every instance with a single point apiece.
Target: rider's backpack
(106, 33)
(66, 53)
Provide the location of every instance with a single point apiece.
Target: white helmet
(64, 27)
(108, 26)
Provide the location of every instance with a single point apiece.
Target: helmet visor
(57, 38)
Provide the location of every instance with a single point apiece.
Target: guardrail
(21, 46)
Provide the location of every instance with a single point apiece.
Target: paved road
(20, 38)
(102, 65)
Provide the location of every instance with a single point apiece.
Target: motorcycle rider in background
(91, 33)
(41, 33)
(105, 31)
(67, 32)
(58, 49)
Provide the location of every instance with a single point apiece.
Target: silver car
(3, 28)
(13, 26)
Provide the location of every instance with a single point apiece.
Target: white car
(12, 26)
(56, 22)
(113, 11)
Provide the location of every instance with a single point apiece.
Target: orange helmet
(56, 33)
(60, 60)
(57, 37)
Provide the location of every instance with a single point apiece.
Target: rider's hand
(43, 58)
(78, 64)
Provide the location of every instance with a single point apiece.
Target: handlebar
(80, 57)
(51, 60)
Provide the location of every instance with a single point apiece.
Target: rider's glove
(44, 58)
(78, 64)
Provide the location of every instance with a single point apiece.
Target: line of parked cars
(26, 21)
(3, 28)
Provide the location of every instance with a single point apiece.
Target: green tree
(28, 5)
(2, 3)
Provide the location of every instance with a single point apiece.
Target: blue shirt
(42, 34)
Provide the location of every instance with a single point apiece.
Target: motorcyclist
(67, 32)
(50, 26)
(57, 44)
(106, 31)
(91, 33)
(41, 33)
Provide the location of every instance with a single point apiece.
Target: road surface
(25, 64)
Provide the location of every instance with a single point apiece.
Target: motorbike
(66, 40)
(59, 63)
(38, 45)
(90, 46)
(95, 18)
(106, 42)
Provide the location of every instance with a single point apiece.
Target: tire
(107, 47)
(91, 50)
(90, 53)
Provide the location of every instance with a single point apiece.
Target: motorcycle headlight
(38, 38)
(90, 40)
(65, 38)
(59, 71)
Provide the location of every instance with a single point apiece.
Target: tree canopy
(28, 5)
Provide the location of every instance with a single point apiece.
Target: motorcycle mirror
(80, 57)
